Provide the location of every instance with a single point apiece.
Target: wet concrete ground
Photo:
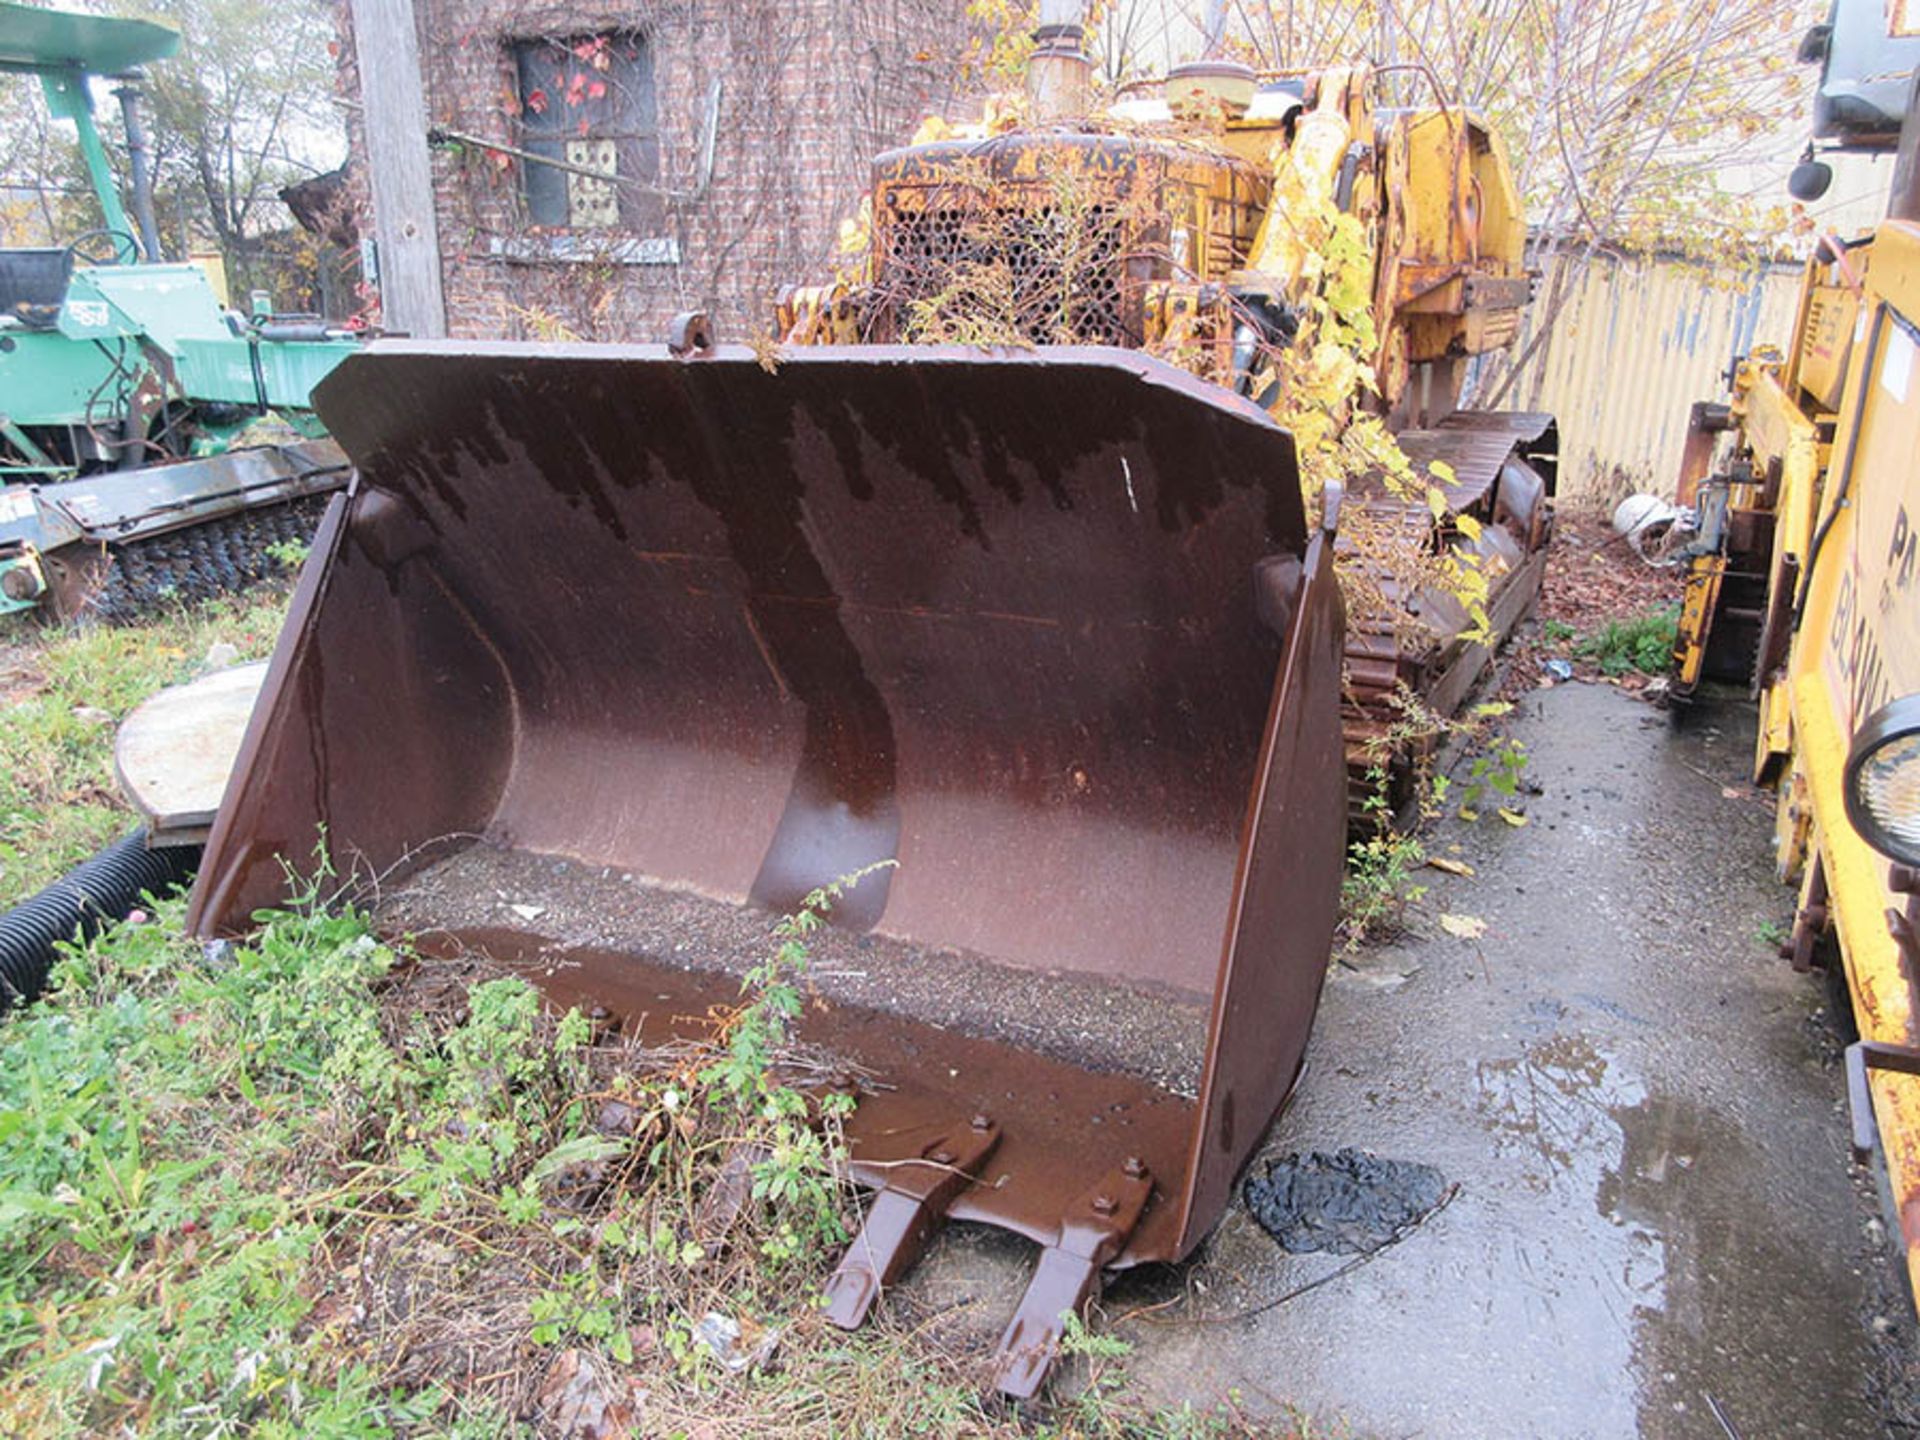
(1656, 1219)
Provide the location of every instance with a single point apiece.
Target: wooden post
(394, 110)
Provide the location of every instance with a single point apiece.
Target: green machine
(112, 360)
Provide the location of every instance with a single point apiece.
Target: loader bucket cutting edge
(1048, 628)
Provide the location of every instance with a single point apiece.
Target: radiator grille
(1053, 278)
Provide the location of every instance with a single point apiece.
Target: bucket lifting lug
(1093, 1231)
(690, 337)
(905, 1213)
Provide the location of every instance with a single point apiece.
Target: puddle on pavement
(1557, 1099)
(1564, 1107)
(1684, 1257)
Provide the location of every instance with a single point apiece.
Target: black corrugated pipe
(107, 887)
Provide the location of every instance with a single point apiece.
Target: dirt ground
(1658, 1231)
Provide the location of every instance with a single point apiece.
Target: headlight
(1883, 780)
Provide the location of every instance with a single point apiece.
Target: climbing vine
(791, 102)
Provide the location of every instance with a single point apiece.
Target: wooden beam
(394, 111)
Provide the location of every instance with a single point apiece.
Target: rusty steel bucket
(1048, 628)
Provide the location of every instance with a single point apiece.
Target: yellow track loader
(654, 640)
(1205, 226)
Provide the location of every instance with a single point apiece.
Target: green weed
(1642, 642)
(1379, 885)
(290, 553)
(1495, 773)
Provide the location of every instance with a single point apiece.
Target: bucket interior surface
(759, 631)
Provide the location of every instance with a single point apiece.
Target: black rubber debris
(1348, 1202)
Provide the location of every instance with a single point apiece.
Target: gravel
(1152, 1034)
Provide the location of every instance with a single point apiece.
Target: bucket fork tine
(907, 1210)
(1094, 1230)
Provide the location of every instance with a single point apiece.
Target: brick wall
(810, 90)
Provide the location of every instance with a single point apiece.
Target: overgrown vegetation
(1639, 642)
(1615, 646)
(64, 693)
(317, 1185)
(1380, 881)
(311, 1185)
(1388, 858)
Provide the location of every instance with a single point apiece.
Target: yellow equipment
(1205, 227)
(1812, 516)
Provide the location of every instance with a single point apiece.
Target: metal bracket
(1332, 497)
(690, 337)
(1809, 923)
(1481, 292)
(904, 1216)
(1862, 1056)
(1093, 1231)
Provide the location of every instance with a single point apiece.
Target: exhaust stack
(1059, 77)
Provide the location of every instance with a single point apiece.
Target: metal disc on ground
(173, 754)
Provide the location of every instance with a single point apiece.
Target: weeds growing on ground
(315, 1185)
(1386, 859)
(277, 1188)
(68, 690)
(1640, 642)
(1379, 883)
(1495, 773)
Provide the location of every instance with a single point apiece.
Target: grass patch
(66, 691)
(1640, 642)
(314, 1185)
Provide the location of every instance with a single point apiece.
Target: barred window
(587, 101)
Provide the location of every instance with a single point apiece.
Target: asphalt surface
(1657, 1229)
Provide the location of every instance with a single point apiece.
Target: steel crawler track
(1383, 661)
